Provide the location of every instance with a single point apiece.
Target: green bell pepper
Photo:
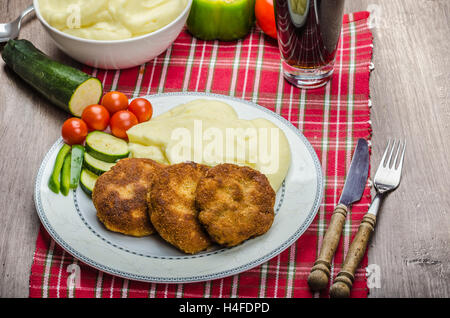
(65, 175)
(224, 20)
(54, 181)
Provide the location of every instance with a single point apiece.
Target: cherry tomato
(265, 16)
(142, 108)
(121, 122)
(96, 117)
(74, 131)
(115, 101)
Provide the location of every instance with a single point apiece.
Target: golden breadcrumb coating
(120, 196)
(235, 203)
(173, 212)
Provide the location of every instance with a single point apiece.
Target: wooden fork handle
(320, 273)
(344, 280)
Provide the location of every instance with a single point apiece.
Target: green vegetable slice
(106, 147)
(76, 165)
(54, 181)
(65, 175)
(87, 181)
(96, 166)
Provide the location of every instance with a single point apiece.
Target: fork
(387, 178)
(11, 30)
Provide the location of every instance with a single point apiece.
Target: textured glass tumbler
(308, 33)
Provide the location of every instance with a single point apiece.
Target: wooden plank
(409, 89)
(28, 127)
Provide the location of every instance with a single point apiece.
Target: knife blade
(357, 175)
(352, 192)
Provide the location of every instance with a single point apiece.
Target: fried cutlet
(173, 212)
(120, 196)
(235, 203)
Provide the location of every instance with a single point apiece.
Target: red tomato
(74, 131)
(121, 122)
(265, 16)
(96, 117)
(115, 101)
(142, 108)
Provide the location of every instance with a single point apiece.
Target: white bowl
(117, 54)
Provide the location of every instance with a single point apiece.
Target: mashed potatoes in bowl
(110, 19)
(113, 34)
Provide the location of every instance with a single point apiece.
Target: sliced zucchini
(87, 181)
(96, 166)
(106, 147)
(75, 165)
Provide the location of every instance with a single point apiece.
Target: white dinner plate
(71, 220)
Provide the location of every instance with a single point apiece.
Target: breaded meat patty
(173, 212)
(235, 203)
(120, 196)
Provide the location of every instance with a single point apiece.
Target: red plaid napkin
(332, 118)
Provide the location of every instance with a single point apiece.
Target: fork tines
(397, 161)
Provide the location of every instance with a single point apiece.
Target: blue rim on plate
(145, 278)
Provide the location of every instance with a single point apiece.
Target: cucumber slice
(75, 165)
(106, 147)
(54, 181)
(96, 166)
(87, 181)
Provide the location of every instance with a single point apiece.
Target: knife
(352, 192)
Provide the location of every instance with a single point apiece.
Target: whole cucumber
(68, 88)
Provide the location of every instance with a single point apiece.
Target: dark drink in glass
(308, 34)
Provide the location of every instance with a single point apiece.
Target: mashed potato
(110, 19)
(210, 132)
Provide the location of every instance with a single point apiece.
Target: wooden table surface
(410, 94)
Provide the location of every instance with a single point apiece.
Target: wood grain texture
(320, 273)
(344, 280)
(410, 93)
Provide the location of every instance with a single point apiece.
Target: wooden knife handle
(320, 273)
(344, 280)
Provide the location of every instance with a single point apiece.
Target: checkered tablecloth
(332, 118)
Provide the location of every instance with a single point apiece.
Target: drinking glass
(308, 33)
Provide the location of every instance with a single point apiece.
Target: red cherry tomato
(121, 122)
(96, 117)
(74, 131)
(142, 108)
(115, 101)
(265, 16)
